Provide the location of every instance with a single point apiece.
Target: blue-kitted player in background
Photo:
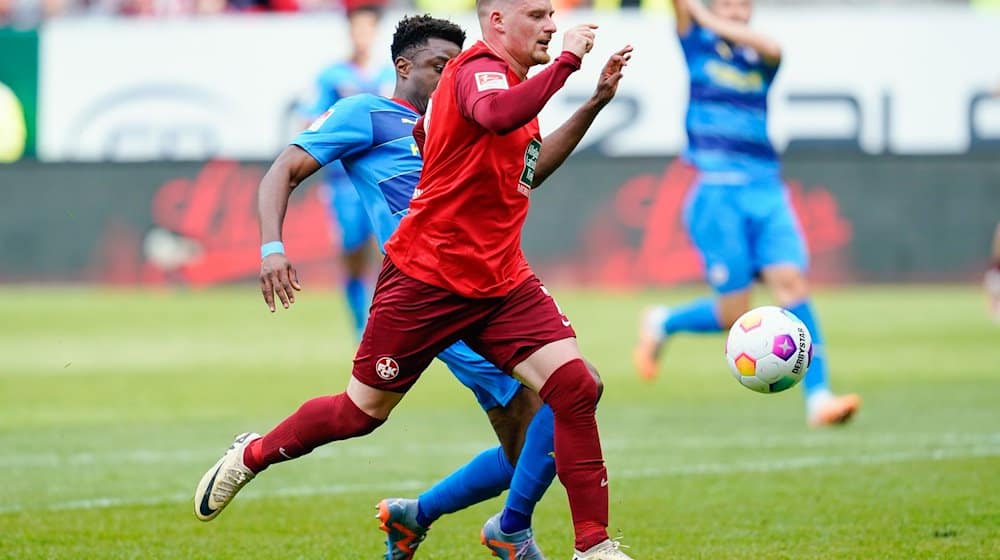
(738, 213)
(361, 73)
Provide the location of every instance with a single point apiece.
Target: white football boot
(221, 483)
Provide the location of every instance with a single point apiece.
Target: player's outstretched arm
(504, 110)
(735, 31)
(558, 145)
(682, 17)
(277, 275)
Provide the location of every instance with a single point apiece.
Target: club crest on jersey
(724, 50)
(491, 80)
(530, 160)
(386, 368)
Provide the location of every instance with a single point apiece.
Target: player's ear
(403, 66)
(496, 20)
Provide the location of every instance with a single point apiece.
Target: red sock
(317, 421)
(572, 394)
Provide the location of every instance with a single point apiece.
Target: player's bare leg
(510, 423)
(560, 375)
(823, 408)
(655, 327)
(652, 336)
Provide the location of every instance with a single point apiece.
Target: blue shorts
(741, 229)
(349, 212)
(491, 386)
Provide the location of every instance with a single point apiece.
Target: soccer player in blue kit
(358, 74)
(738, 213)
(373, 138)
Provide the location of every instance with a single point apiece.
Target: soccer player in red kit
(459, 248)
(455, 270)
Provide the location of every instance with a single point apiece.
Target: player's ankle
(589, 538)
(422, 518)
(251, 456)
(817, 398)
(513, 521)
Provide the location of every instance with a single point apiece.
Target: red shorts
(411, 322)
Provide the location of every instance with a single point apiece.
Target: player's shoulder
(478, 52)
(480, 65)
(359, 102)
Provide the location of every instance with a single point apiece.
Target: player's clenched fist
(579, 39)
(278, 276)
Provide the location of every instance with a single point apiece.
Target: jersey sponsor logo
(491, 80)
(320, 120)
(386, 368)
(732, 77)
(530, 160)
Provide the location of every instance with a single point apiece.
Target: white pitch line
(802, 462)
(696, 469)
(809, 441)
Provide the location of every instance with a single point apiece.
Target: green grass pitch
(113, 403)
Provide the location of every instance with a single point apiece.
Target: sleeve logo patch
(491, 80)
(320, 120)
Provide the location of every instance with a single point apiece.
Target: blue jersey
(727, 112)
(373, 138)
(338, 81)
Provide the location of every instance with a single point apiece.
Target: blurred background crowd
(32, 13)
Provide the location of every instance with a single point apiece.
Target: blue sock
(536, 468)
(358, 300)
(484, 477)
(816, 375)
(699, 316)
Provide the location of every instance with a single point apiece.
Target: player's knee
(571, 389)
(731, 311)
(789, 289)
(356, 261)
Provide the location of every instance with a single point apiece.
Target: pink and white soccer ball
(769, 349)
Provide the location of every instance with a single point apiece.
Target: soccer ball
(769, 349)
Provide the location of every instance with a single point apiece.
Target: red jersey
(463, 230)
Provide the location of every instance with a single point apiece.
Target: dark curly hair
(414, 31)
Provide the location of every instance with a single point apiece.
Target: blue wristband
(271, 247)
